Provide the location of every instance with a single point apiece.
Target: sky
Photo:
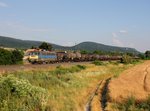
(124, 23)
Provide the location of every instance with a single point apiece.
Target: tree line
(8, 57)
(145, 55)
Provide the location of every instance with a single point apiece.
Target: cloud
(2, 4)
(114, 34)
(116, 41)
(123, 31)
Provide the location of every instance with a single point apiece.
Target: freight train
(43, 56)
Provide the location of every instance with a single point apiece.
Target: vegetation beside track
(8, 57)
(63, 89)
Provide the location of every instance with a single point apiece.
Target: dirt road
(132, 82)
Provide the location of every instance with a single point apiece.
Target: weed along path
(132, 82)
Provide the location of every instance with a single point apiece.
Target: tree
(45, 46)
(10, 57)
(130, 54)
(142, 56)
(17, 56)
(84, 52)
(97, 52)
(33, 47)
(5, 57)
(147, 54)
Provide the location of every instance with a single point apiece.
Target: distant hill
(18, 43)
(89, 46)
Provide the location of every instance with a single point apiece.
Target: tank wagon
(42, 56)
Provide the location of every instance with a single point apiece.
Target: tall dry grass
(131, 82)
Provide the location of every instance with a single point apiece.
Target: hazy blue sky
(67, 22)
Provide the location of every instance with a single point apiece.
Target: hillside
(89, 46)
(102, 47)
(17, 43)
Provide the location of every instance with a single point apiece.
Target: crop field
(130, 91)
(57, 88)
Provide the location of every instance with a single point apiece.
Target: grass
(130, 104)
(97, 63)
(63, 89)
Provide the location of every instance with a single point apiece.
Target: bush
(61, 70)
(126, 59)
(81, 66)
(97, 63)
(18, 94)
(145, 105)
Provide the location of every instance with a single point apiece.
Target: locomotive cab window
(34, 53)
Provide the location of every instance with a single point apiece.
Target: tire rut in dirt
(104, 97)
(88, 105)
(144, 81)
